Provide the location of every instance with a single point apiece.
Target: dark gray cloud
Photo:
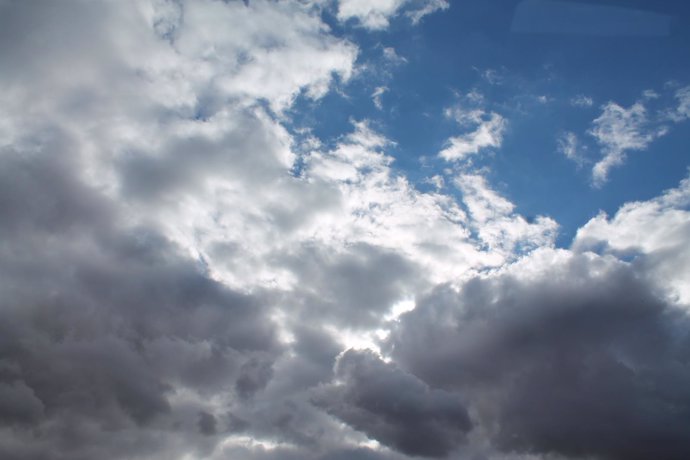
(101, 325)
(354, 287)
(583, 360)
(393, 407)
(207, 423)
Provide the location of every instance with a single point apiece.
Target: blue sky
(344, 230)
(545, 81)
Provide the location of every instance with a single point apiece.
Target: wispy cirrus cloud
(654, 231)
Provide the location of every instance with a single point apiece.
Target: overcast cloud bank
(183, 277)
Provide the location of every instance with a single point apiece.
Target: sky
(344, 229)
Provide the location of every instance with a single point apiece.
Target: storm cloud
(582, 358)
(393, 407)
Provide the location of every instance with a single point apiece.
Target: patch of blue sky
(545, 76)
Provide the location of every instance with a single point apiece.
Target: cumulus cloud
(559, 354)
(654, 231)
(119, 339)
(112, 336)
(153, 296)
(394, 407)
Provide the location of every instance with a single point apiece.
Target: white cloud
(392, 56)
(657, 229)
(493, 76)
(264, 50)
(384, 210)
(569, 145)
(431, 6)
(488, 133)
(376, 14)
(377, 96)
(496, 223)
(437, 181)
(371, 14)
(618, 130)
(682, 111)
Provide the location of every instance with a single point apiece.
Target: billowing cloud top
(188, 270)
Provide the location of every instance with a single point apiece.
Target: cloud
(427, 8)
(392, 57)
(582, 101)
(558, 354)
(182, 277)
(377, 96)
(682, 111)
(104, 326)
(570, 147)
(619, 130)
(654, 231)
(154, 297)
(119, 338)
(263, 38)
(488, 132)
(372, 15)
(376, 15)
(495, 222)
(394, 407)
(382, 209)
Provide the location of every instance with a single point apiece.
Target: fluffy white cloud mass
(655, 231)
(181, 277)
